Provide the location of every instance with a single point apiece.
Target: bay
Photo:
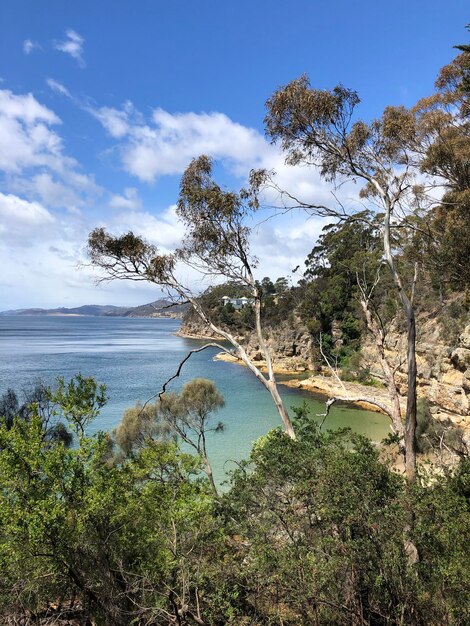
(133, 357)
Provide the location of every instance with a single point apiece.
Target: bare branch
(330, 367)
(186, 358)
(328, 404)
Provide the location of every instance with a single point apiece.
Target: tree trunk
(411, 404)
(379, 338)
(410, 419)
(270, 382)
(272, 387)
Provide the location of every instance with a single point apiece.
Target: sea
(134, 357)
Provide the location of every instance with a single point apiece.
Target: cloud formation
(58, 87)
(50, 204)
(72, 45)
(29, 140)
(26, 134)
(29, 46)
(165, 144)
(129, 200)
(18, 218)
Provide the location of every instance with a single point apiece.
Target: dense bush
(313, 531)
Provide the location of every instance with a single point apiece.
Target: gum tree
(188, 415)
(317, 128)
(215, 244)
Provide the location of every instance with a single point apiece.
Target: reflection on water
(134, 357)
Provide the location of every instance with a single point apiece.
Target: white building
(238, 303)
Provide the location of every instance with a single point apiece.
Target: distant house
(238, 303)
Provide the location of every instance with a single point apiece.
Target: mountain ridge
(158, 308)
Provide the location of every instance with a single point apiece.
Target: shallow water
(134, 357)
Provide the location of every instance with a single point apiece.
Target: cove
(133, 357)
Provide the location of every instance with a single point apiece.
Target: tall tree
(345, 276)
(443, 123)
(317, 128)
(215, 244)
(188, 413)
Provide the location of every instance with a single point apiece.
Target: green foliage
(437, 435)
(324, 525)
(278, 301)
(442, 244)
(78, 532)
(347, 253)
(309, 532)
(323, 529)
(38, 401)
(312, 531)
(137, 426)
(80, 401)
(352, 368)
(211, 302)
(442, 528)
(188, 415)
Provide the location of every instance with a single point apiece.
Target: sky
(103, 104)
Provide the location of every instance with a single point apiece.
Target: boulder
(464, 338)
(460, 358)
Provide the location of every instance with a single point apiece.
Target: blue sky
(103, 104)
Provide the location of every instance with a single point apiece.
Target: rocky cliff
(443, 367)
(443, 370)
(290, 343)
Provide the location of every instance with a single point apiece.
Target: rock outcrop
(443, 370)
(290, 344)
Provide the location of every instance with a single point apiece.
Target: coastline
(179, 333)
(443, 397)
(322, 385)
(316, 384)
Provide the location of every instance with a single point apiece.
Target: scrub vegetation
(126, 528)
(315, 527)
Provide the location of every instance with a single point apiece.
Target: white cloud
(129, 200)
(72, 45)
(25, 107)
(113, 120)
(33, 156)
(164, 231)
(51, 192)
(28, 141)
(26, 138)
(20, 218)
(29, 46)
(166, 145)
(58, 87)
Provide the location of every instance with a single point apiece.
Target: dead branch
(327, 361)
(328, 405)
(169, 306)
(186, 358)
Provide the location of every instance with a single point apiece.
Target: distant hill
(159, 308)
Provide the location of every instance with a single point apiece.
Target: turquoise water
(134, 357)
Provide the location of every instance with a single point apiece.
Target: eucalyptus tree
(188, 414)
(444, 132)
(318, 128)
(345, 276)
(216, 244)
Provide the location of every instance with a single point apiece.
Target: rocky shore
(325, 385)
(443, 369)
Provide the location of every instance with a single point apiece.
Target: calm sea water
(134, 357)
